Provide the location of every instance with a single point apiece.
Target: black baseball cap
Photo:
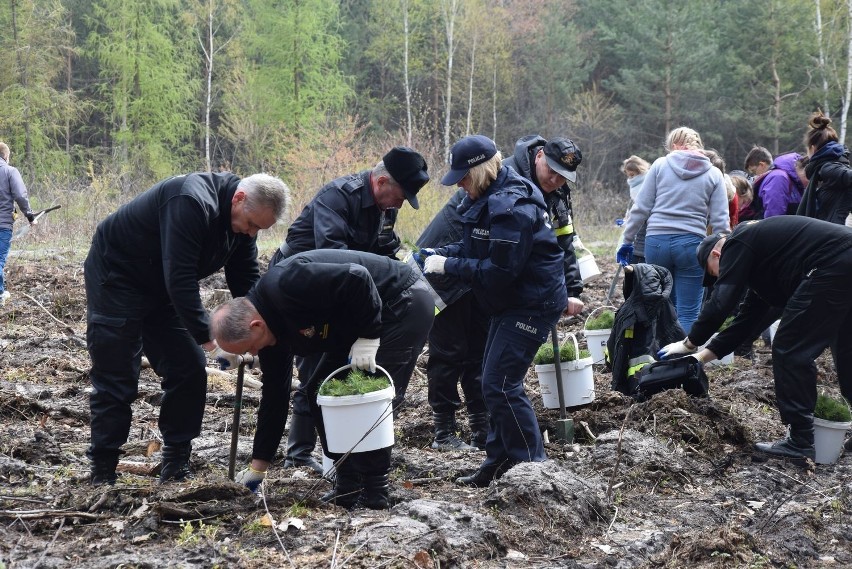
(703, 253)
(468, 152)
(409, 169)
(563, 157)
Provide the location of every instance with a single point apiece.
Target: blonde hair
(4, 151)
(635, 164)
(684, 137)
(482, 175)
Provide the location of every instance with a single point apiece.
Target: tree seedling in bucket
(356, 382)
(831, 409)
(603, 321)
(544, 355)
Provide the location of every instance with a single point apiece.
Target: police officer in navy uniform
(340, 305)
(509, 256)
(552, 166)
(142, 294)
(794, 263)
(456, 342)
(356, 212)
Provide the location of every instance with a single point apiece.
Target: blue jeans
(676, 252)
(5, 242)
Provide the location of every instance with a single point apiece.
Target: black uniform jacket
(344, 215)
(770, 258)
(156, 247)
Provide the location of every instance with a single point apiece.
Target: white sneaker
(4, 297)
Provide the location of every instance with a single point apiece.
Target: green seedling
(355, 383)
(544, 355)
(831, 409)
(601, 322)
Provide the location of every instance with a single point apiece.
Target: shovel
(25, 228)
(565, 426)
(244, 360)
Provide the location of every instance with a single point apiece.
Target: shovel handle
(235, 423)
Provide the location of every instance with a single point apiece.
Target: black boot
(103, 470)
(445, 434)
(485, 474)
(478, 429)
(797, 445)
(175, 465)
(375, 493)
(301, 442)
(347, 486)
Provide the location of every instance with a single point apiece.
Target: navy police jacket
(508, 253)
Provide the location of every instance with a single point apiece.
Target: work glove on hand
(676, 349)
(30, 216)
(421, 255)
(363, 354)
(227, 360)
(624, 253)
(434, 264)
(250, 478)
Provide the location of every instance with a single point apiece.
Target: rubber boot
(347, 486)
(445, 434)
(301, 442)
(485, 474)
(175, 465)
(375, 493)
(478, 429)
(103, 470)
(797, 445)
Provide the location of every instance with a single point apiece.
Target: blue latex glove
(619, 222)
(420, 256)
(624, 253)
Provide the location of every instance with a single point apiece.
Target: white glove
(227, 360)
(676, 349)
(250, 478)
(434, 264)
(363, 353)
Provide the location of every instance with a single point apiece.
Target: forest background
(102, 98)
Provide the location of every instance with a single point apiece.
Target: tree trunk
(450, 9)
(470, 86)
(22, 70)
(823, 76)
(408, 125)
(848, 93)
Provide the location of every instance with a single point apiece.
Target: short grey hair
(266, 192)
(230, 322)
(382, 170)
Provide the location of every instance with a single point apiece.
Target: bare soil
(670, 482)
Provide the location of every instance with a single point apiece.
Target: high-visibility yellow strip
(566, 230)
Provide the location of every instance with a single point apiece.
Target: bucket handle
(341, 368)
(576, 347)
(595, 310)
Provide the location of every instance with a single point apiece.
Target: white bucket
(596, 340)
(828, 440)
(327, 464)
(773, 328)
(578, 382)
(351, 418)
(589, 270)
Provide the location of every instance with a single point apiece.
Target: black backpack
(685, 373)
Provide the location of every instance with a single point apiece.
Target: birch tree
(449, 13)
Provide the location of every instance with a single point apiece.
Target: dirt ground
(670, 482)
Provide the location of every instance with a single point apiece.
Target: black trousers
(817, 316)
(456, 348)
(121, 324)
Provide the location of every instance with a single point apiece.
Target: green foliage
(356, 382)
(544, 355)
(601, 322)
(831, 409)
(728, 321)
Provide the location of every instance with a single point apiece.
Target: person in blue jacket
(509, 256)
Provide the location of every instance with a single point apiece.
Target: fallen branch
(50, 545)
(618, 452)
(55, 319)
(38, 514)
(247, 382)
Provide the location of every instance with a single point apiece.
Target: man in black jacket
(802, 266)
(356, 212)
(552, 166)
(337, 305)
(142, 276)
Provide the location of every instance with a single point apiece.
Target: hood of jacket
(787, 163)
(653, 284)
(522, 153)
(635, 184)
(688, 164)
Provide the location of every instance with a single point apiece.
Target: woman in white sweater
(682, 194)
